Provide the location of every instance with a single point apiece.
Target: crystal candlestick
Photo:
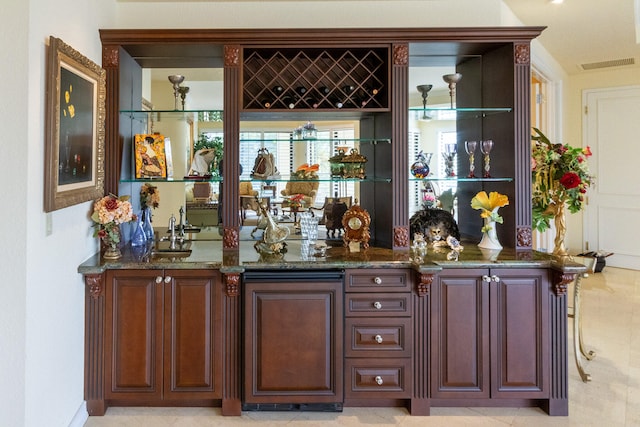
(470, 148)
(175, 80)
(452, 80)
(485, 148)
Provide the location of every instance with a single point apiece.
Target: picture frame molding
(58, 196)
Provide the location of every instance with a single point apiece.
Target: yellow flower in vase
(489, 205)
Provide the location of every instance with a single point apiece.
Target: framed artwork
(149, 152)
(74, 128)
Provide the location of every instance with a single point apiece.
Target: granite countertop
(208, 254)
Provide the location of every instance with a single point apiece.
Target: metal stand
(578, 345)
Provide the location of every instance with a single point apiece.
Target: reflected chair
(308, 189)
(249, 199)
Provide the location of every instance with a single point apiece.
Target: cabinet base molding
(311, 407)
(491, 403)
(231, 407)
(557, 407)
(96, 407)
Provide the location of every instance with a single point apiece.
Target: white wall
(573, 121)
(13, 251)
(41, 304)
(311, 14)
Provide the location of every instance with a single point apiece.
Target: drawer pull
(379, 380)
(377, 305)
(168, 279)
(495, 278)
(377, 280)
(378, 339)
(486, 278)
(158, 279)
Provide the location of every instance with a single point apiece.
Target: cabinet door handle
(495, 278)
(379, 380)
(377, 305)
(377, 280)
(378, 339)
(158, 279)
(486, 278)
(168, 279)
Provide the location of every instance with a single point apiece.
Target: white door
(612, 130)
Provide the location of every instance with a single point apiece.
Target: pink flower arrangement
(108, 213)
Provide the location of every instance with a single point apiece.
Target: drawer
(379, 280)
(388, 378)
(379, 304)
(377, 337)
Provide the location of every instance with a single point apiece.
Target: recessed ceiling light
(556, 1)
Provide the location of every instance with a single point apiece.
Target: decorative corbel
(560, 282)
(231, 281)
(94, 285)
(424, 284)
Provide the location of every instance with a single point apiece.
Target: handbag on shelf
(264, 166)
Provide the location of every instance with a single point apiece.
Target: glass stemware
(485, 148)
(470, 148)
(449, 157)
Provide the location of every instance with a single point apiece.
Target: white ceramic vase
(490, 237)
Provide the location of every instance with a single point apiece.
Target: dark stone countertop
(208, 254)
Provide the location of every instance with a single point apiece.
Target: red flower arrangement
(296, 200)
(560, 175)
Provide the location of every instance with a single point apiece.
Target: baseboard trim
(81, 416)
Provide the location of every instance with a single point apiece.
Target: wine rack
(316, 79)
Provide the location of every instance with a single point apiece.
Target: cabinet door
(133, 328)
(460, 335)
(293, 342)
(192, 334)
(520, 338)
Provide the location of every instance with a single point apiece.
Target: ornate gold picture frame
(74, 128)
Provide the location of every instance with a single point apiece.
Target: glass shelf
(321, 141)
(158, 115)
(461, 179)
(201, 179)
(284, 178)
(433, 113)
(321, 179)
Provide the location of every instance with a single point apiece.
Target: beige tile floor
(611, 327)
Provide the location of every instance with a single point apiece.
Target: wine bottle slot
(348, 89)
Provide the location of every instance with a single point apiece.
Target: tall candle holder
(424, 91)
(452, 80)
(183, 90)
(486, 147)
(175, 80)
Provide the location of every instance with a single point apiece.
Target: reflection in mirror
(184, 130)
(429, 131)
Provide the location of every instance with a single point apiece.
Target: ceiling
(597, 33)
(582, 35)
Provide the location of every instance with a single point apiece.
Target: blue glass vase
(146, 223)
(138, 238)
